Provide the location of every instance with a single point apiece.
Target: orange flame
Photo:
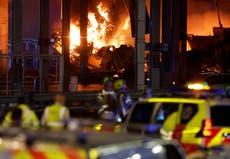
(98, 31)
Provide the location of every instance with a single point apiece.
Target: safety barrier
(22, 73)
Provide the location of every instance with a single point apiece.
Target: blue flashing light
(151, 128)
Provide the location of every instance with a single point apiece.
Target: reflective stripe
(166, 135)
(62, 113)
(54, 116)
(46, 113)
(56, 124)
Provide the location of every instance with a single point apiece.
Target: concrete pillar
(83, 33)
(66, 42)
(174, 32)
(140, 43)
(17, 26)
(155, 35)
(179, 37)
(183, 38)
(3, 34)
(166, 38)
(17, 45)
(44, 43)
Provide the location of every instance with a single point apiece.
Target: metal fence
(22, 73)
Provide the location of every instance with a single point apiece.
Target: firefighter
(107, 99)
(147, 93)
(169, 125)
(56, 116)
(124, 101)
(21, 116)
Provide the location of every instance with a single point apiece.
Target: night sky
(201, 13)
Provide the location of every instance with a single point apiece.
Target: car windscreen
(142, 113)
(220, 115)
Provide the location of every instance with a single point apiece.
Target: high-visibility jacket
(168, 126)
(29, 118)
(55, 117)
(106, 101)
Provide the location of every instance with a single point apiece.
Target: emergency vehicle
(196, 122)
(18, 144)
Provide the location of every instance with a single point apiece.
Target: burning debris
(210, 53)
(107, 43)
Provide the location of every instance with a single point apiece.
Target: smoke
(202, 16)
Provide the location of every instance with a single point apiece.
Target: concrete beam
(155, 38)
(140, 44)
(44, 43)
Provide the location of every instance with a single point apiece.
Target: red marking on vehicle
(71, 153)
(190, 148)
(226, 140)
(177, 134)
(214, 131)
(37, 154)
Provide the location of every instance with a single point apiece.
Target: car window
(165, 110)
(188, 111)
(220, 115)
(142, 113)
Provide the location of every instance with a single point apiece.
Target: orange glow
(198, 86)
(207, 127)
(188, 46)
(101, 32)
(74, 36)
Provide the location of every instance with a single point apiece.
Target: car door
(139, 118)
(220, 125)
(191, 116)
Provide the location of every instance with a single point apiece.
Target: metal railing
(22, 73)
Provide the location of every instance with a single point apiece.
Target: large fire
(101, 31)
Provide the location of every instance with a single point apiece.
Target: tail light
(206, 129)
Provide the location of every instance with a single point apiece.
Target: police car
(78, 145)
(194, 122)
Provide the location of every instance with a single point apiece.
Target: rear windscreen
(142, 113)
(220, 115)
